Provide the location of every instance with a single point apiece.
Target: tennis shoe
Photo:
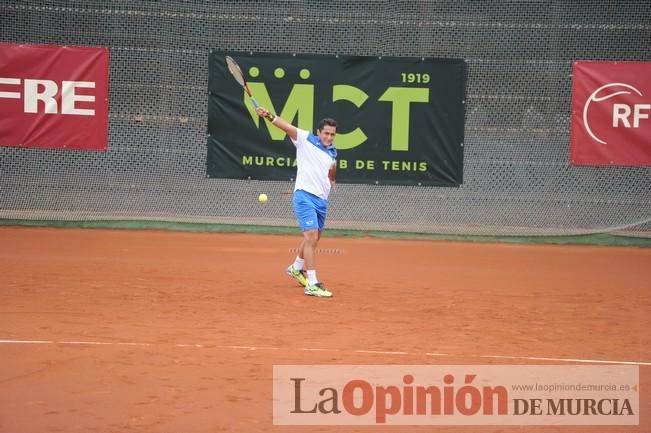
(317, 290)
(299, 276)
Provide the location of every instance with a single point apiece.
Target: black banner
(400, 120)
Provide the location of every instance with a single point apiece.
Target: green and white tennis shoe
(299, 276)
(317, 290)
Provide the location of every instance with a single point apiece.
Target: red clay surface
(187, 326)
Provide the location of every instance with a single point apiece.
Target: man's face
(327, 134)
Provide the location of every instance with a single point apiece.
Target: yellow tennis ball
(262, 198)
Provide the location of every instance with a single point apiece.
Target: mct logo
(611, 113)
(300, 104)
(45, 92)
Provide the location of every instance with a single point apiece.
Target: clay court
(156, 331)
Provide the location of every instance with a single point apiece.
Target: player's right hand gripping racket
(235, 69)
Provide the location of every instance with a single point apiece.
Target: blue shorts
(310, 210)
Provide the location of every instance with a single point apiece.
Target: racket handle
(255, 103)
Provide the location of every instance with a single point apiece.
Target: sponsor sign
(611, 113)
(54, 96)
(400, 120)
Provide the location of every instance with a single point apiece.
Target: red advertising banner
(611, 113)
(54, 97)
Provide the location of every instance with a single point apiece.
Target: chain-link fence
(517, 175)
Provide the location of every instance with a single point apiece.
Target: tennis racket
(236, 71)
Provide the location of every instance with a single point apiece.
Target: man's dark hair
(327, 121)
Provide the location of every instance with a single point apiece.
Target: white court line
(315, 349)
(245, 347)
(375, 352)
(90, 343)
(591, 361)
(79, 343)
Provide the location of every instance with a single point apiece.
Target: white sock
(298, 263)
(311, 277)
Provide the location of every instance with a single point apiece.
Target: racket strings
(235, 70)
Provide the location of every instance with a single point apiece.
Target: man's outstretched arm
(278, 122)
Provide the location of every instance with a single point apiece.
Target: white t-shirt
(313, 162)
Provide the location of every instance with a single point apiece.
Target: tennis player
(316, 164)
